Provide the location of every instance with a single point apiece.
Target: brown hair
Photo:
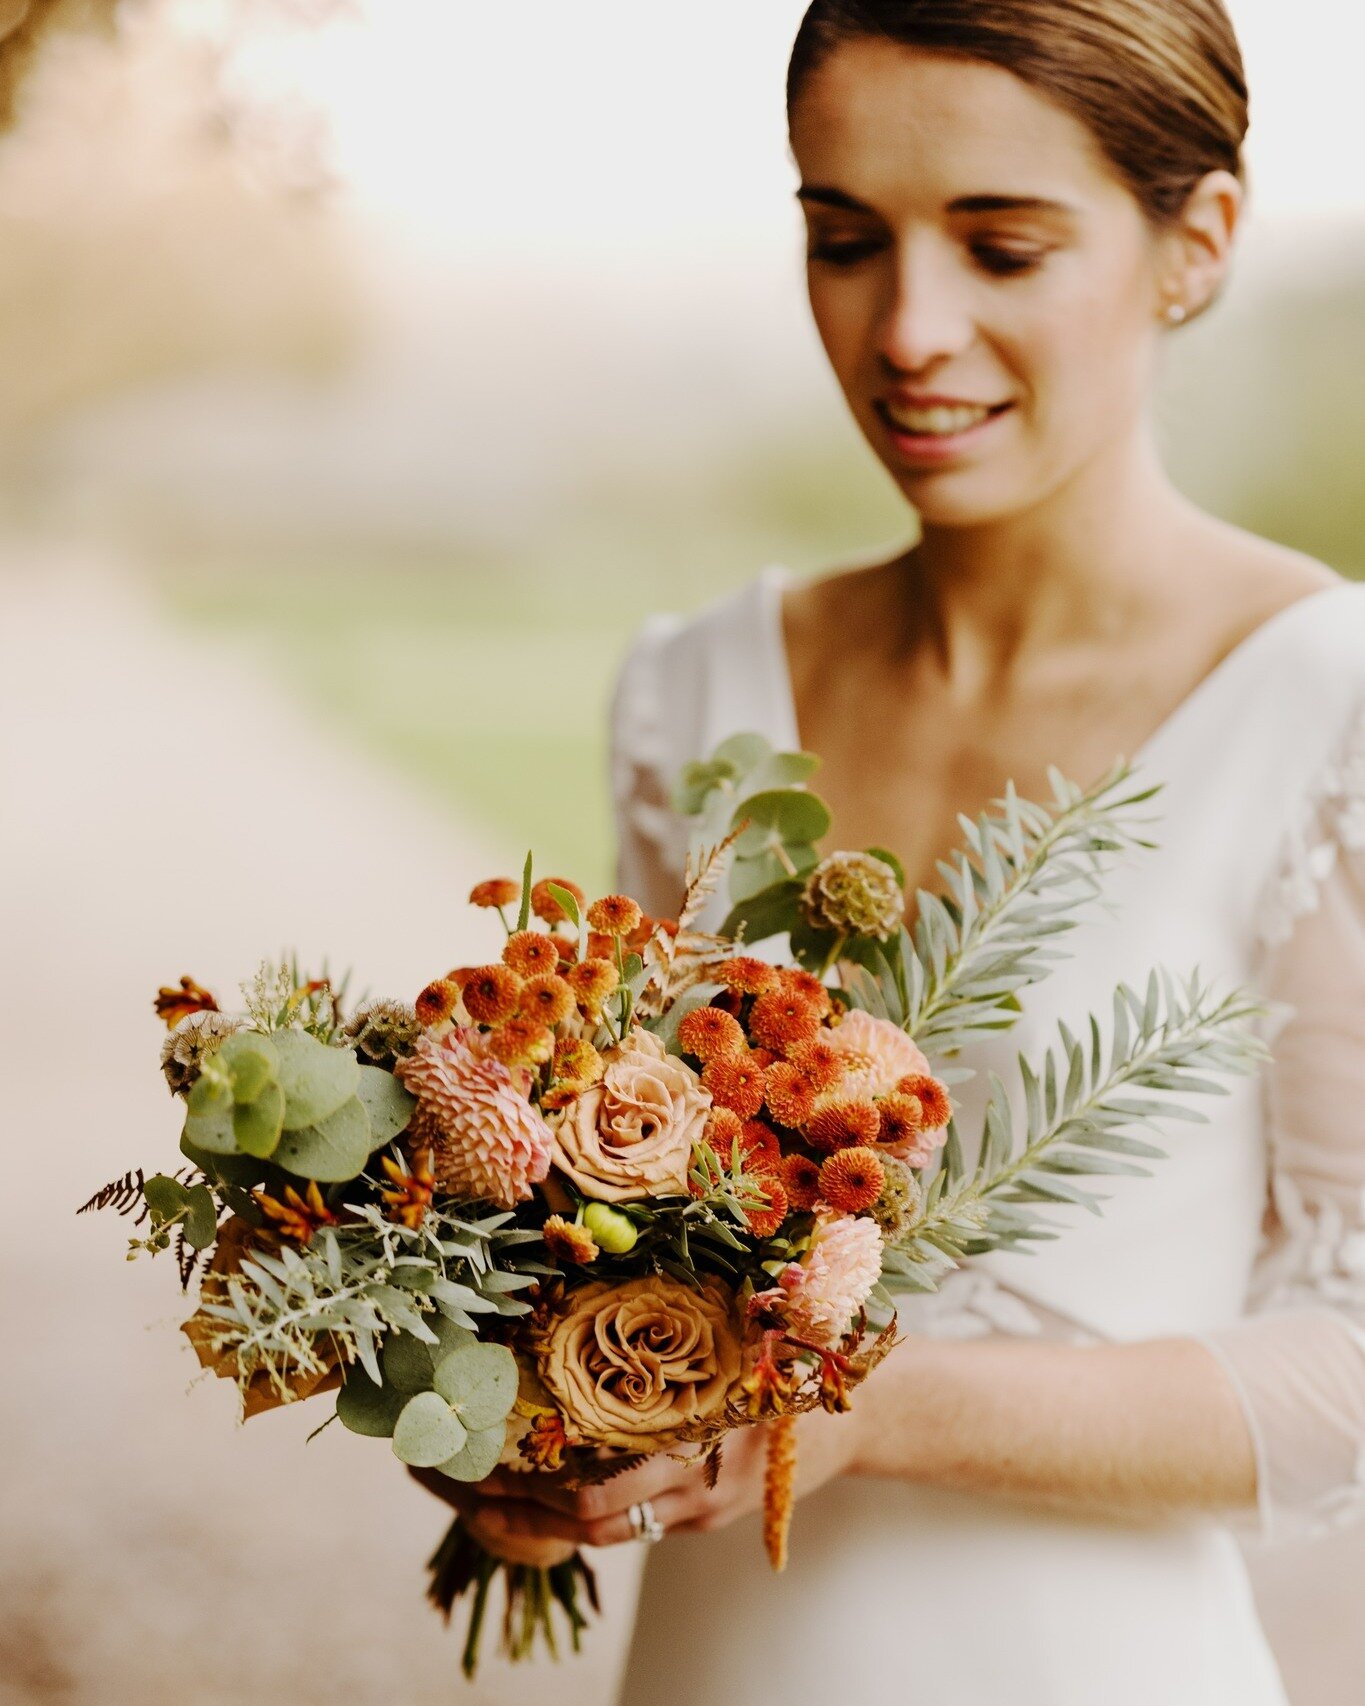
(1158, 83)
(26, 24)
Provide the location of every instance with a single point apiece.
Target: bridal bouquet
(633, 1186)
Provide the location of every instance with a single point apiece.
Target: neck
(1078, 566)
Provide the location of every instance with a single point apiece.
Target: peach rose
(877, 1055)
(631, 1363)
(632, 1135)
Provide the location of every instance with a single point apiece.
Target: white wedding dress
(1250, 1238)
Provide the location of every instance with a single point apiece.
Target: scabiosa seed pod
(898, 1205)
(189, 1044)
(382, 1032)
(531, 953)
(491, 994)
(852, 1179)
(854, 894)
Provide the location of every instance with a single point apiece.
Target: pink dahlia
(831, 1283)
(488, 1143)
(877, 1055)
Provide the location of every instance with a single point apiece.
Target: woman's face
(985, 286)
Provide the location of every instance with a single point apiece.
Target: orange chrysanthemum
(497, 891)
(592, 981)
(780, 1021)
(902, 1119)
(173, 1005)
(600, 947)
(548, 999)
(544, 904)
(841, 1125)
(521, 1042)
(790, 1097)
(577, 1062)
(801, 1179)
(759, 1146)
(819, 1063)
(852, 1179)
(567, 1241)
(491, 994)
(723, 1130)
(436, 1002)
(765, 1057)
(747, 975)
(762, 1223)
(736, 1081)
(531, 953)
(566, 948)
(707, 1034)
(796, 981)
(615, 915)
(932, 1097)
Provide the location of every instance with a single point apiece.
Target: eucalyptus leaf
(368, 1409)
(389, 1106)
(316, 1079)
(201, 1217)
(335, 1149)
(407, 1363)
(233, 1169)
(479, 1456)
(209, 1127)
(251, 1063)
(777, 817)
(427, 1432)
(165, 1197)
(479, 1383)
(256, 1125)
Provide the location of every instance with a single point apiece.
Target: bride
(1010, 205)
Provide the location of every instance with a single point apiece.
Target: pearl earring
(1176, 313)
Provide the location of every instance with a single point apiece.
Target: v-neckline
(776, 578)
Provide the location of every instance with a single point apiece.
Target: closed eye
(845, 253)
(1008, 263)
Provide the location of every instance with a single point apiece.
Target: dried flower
(546, 1440)
(488, 1143)
(902, 1197)
(747, 975)
(544, 904)
(633, 1134)
(615, 915)
(779, 1488)
(736, 1081)
(382, 1031)
(844, 1124)
(835, 1276)
(876, 1054)
(854, 894)
(801, 1178)
(173, 1005)
(296, 1217)
(852, 1179)
(521, 1042)
(412, 1192)
(548, 999)
(781, 1020)
(436, 1003)
(491, 994)
(568, 1241)
(531, 953)
(496, 892)
(708, 1033)
(592, 982)
(194, 1039)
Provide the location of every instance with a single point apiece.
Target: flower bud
(613, 1231)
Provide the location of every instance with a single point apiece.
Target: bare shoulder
(1255, 578)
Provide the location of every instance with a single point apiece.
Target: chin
(964, 500)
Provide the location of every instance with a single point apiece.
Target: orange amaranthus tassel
(779, 1489)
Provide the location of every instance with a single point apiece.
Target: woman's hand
(511, 1510)
(511, 1548)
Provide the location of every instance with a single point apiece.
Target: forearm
(1137, 1429)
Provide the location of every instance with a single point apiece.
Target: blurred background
(370, 368)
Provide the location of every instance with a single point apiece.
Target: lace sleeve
(1297, 1359)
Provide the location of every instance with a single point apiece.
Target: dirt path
(164, 811)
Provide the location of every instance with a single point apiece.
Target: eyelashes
(999, 262)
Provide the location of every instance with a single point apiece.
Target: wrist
(885, 1413)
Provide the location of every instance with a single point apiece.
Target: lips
(935, 417)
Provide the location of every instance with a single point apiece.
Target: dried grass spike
(779, 1489)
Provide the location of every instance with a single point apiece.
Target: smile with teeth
(939, 420)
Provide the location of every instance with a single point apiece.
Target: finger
(649, 1480)
(533, 1521)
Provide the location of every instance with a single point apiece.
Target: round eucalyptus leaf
(427, 1432)
(407, 1363)
(334, 1149)
(779, 815)
(388, 1104)
(231, 1169)
(201, 1217)
(209, 1127)
(368, 1409)
(251, 1063)
(479, 1383)
(164, 1196)
(316, 1080)
(480, 1456)
(450, 1336)
(257, 1125)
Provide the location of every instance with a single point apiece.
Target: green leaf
(201, 1217)
(779, 816)
(256, 1125)
(335, 1149)
(368, 1409)
(389, 1106)
(745, 751)
(754, 873)
(251, 1063)
(316, 1079)
(479, 1383)
(771, 912)
(479, 1456)
(165, 1197)
(524, 914)
(889, 859)
(408, 1364)
(208, 1119)
(232, 1169)
(427, 1432)
(567, 901)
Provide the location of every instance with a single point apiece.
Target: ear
(1199, 244)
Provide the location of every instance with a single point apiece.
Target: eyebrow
(825, 195)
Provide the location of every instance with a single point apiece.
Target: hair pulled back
(1158, 83)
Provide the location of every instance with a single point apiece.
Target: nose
(927, 317)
